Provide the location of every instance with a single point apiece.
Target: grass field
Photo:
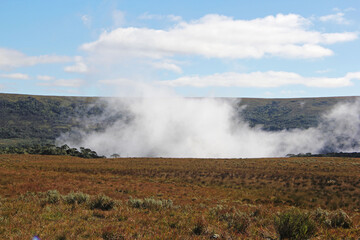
(141, 198)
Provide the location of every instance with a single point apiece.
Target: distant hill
(29, 119)
(290, 113)
(38, 119)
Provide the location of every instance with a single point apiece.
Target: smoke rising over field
(211, 128)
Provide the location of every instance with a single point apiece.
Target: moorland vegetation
(64, 197)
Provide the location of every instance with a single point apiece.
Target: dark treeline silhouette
(50, 150)
(330, 154)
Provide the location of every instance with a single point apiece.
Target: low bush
(339, 218)
(333, 219)
(236, 220)
(76, 198)
(239, 222)
(200, 227)
(294, 224)
(61, 236)
(102, 202)
(52, 197)
(220, 213)
(322, 216)
(150, 203)
(135, 202)
(109, 233)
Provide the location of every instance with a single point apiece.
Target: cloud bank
(261, 79)
(335, 18)
(10, 58)
(208, 128)
(15, 76)
(217, 36)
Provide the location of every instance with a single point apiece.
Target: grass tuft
(294, 224)
(76, 198)
(150, 203)
(102, 202)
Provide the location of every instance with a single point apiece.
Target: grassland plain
(62, 197)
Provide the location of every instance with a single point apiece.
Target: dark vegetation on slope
(50, 149)
(280, 114)
(329, 154)
(28, 119)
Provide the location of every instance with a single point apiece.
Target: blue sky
(271, 49)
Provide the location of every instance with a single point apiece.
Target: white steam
(209, 128)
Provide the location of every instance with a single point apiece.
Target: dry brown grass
(256, 188)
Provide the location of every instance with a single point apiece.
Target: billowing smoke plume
(209, 128)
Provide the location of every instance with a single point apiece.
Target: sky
(232, 48)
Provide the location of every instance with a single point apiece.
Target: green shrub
(61, 236)
(102, 202)
(340, 219)
(220, 213)
(333, 219)
(109, 233)
(239, 222)
(150, 203)
(135, 202)
(52, 197)
(294, 224)
(322, 216)
(236, 220)
(76, 198)
(200, 227)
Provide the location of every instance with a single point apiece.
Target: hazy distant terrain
(41, 119)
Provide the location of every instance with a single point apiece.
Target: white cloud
(167, 66)
(336, 18)
(350, 9)
(15, 76)
(86, 19)
(64, 83)
(171, 17)
(261, 80)
(215, 36)
(10, 58)
(79, 67)
(324, 70)
(44, 77)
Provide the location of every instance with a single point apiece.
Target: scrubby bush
(150, 203)
(294, 224)
(102, 202)
(109, 233)
(135, 202)
(236, 220)
(61, 236)
(239, 222)
(200, 227)
(76, 198)
(339, 218)
(322, 216)
(53, 197)
(333, 219)
(220, 213)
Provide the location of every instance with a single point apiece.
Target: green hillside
(38, 119)
(279, 114)
(26, 119)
